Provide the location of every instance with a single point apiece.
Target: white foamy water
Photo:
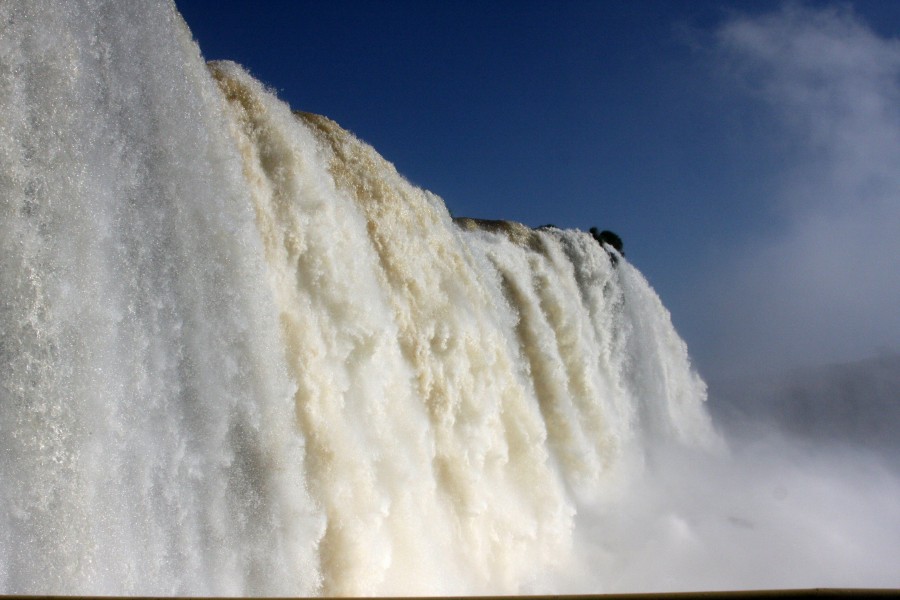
(241, 355)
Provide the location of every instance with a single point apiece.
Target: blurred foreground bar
(799, 593)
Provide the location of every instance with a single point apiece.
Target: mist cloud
(822, 283)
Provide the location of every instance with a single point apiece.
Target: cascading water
(240, 354)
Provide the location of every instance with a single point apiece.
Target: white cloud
(823, 283)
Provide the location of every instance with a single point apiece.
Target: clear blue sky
(693, 128)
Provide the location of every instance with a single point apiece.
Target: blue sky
(745, 151)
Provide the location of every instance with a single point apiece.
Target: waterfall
(241, 355)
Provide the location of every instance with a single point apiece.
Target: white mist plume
(822, 283)
(772, 514)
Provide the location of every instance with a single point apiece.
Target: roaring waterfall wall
(240, 354)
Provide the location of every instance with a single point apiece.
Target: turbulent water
(240, 354)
